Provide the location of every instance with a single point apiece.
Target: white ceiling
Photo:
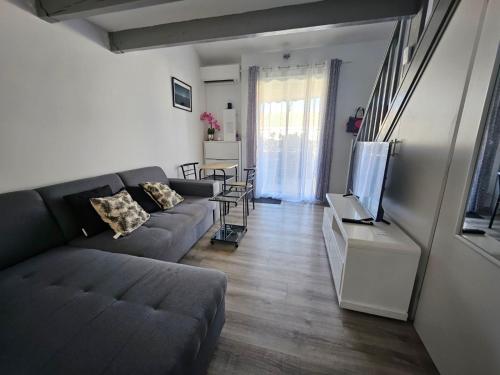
(183, 10)
(230, 51)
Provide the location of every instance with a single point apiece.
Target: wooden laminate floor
(483, 224)
(282, 311)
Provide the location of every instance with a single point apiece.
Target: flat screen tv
(368, 175)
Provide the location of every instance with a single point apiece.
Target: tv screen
(368, 175)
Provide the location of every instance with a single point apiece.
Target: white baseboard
(400, 315)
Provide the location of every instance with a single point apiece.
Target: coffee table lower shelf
(229, 233)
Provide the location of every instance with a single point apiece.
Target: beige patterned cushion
(121, 212)
(162, 194)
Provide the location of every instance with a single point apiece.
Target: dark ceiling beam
(61, 10)
(327, 13)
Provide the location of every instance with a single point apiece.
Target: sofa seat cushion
(194, 206)
(84, 311)
(167, 235)
(176, 223)
(154, 243)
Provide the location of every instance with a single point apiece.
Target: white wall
(217, 95)
(426, 129)
(69, 108)
(458, 312)
(357, 76)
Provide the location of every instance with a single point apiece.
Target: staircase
(410, 49)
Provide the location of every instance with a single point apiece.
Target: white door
(458, 315)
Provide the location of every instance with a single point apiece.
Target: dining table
(223, 167)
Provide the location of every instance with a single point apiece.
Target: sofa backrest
(134, 177)
(54, 198)
(27, 228)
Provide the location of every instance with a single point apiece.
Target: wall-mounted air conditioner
(221, 73)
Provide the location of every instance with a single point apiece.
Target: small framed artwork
(182, 95)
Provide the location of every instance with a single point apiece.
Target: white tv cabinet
(373, 267)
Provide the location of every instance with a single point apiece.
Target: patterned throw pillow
(162, 194)
(121, 212)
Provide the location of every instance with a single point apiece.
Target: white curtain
(290, 113)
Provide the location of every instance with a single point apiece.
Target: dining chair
(189, 169)
(247, 185)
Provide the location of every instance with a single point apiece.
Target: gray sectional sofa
(76, 305)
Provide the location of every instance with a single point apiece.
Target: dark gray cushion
(154, 243)
(80, 311)
(177, 224)
(53, 197)
(184, 228)
(167, 235)
(195, 210)
(212, 212)
(27, 228)
(203, 188)
(88, 218)
(134, 177)
(199, 209)
(210, 205)
(145, 201)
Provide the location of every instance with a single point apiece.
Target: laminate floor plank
(282, 310)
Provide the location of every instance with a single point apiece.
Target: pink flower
(210, 119)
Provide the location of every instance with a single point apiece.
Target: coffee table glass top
(229, 196)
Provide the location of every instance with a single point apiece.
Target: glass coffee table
(230, 233)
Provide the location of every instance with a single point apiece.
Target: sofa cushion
(167, 235)
(145, 201)
(135, 177)
(81, 311)
(53, 197)
(162, 194)
(154, 243)
(174, 223)
(200, 188)
(194, 206)
(202, 201)
(89, 220)
(27, 228)
(121, 212)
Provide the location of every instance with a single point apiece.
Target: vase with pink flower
(209, 119)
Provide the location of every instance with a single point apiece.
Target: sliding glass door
(290, 107)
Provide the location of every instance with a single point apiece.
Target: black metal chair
(248, 185)
(497, 204)
(188, 170)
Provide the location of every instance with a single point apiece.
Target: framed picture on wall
(182, 95)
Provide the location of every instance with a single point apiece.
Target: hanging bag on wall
(355, 121)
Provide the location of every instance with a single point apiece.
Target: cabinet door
(336, 263)
(222, 150)
(210, 161)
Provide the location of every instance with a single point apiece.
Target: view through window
(290, 117)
